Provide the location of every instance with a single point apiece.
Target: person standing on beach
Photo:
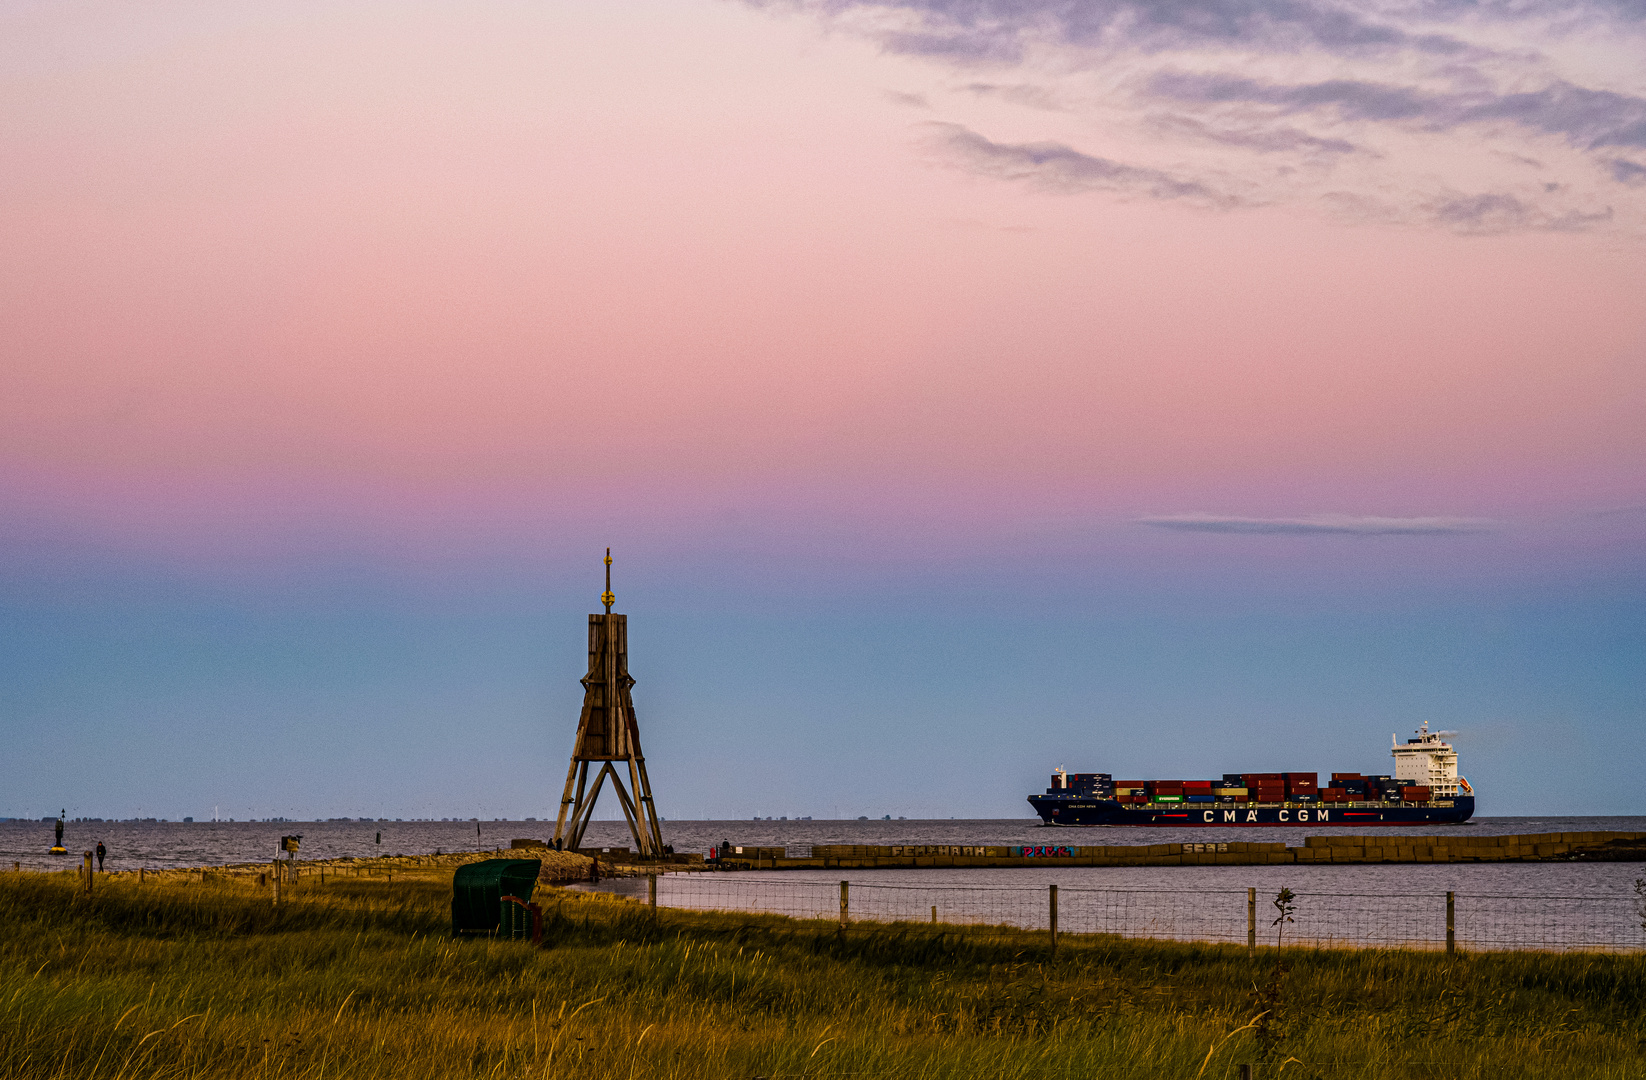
(101, 852)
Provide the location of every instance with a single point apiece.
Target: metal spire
(606, 597)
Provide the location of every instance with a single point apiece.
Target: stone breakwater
(1373, 848)
(568, 866)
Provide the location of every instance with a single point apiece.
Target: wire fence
(1475, 922)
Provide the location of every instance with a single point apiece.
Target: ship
(1425, 789)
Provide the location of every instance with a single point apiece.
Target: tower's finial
(606, 597)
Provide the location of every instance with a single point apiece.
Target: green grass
(360, 978)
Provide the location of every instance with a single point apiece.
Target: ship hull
(1057, 809)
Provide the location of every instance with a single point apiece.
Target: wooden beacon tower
(607, 733)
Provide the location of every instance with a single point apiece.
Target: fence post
(139, 875)
(934, 914)
(89, 874)
(1251, 926)
(275, 874)
(651, 894)
(1245, 1072)
(1053, 902)
(845, 903)
(1451, 923)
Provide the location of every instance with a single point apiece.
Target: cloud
(1004, 30)
(913, 101)
(1055, 167)
(1499, 213)
(1027, 95)
(1627, 172)
(1264, 140)
(1339, 524)
(1586, 118)
(1394, 105)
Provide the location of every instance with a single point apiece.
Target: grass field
(360, 978)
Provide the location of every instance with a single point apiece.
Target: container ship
(1425, 789)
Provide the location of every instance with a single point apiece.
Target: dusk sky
(966, 388)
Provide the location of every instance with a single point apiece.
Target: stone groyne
(1350, 849)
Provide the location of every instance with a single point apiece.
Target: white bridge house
(1427, 761)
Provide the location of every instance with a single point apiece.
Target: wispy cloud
(1025, 94)
(1425, 112)
(1589, 119)
(1054, 166)
(913, 101)
(1627, 172)
(1340, 524)
(1265, 140)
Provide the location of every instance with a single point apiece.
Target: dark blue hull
(1060, 809)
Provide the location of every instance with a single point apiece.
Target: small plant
(1270, 999)
(1285, 904)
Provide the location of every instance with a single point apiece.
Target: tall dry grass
(359, 978)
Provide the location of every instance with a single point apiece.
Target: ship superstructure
(1425, 788)
(1429, 762)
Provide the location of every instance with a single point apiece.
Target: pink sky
(1252, 388)
(438, 260)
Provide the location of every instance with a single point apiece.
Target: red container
(1333, 794)
(1347, 776)
(1414, 794)
(1256, 779)
(1305, 777)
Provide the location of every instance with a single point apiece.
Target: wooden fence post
(1251, 927)
(276, 876)
(1053, 902)
(845, 903)
(1451, 923)
(89, 873)
(934, 914)
(651, 894)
